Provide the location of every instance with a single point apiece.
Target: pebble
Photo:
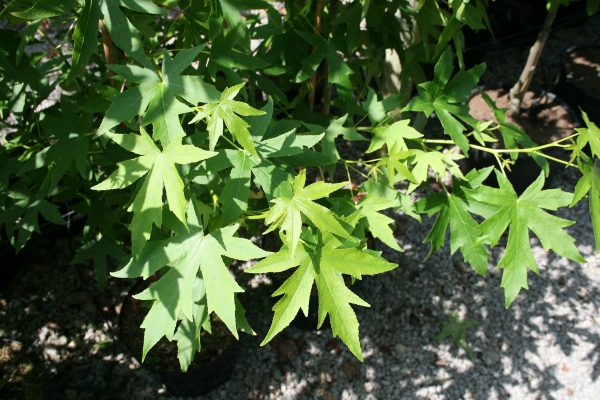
(491, 358)
(351, 369)
(371, 386)
(61, 341)
(51, 354)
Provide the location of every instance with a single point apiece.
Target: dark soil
(583, 69)
(580, 81)
(544, 118)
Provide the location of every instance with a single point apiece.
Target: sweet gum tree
(181, 128)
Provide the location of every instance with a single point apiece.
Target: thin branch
(109, 51)
(313, 78)
(520, 88)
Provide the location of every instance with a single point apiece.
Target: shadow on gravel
(527, 351)
(59, 334)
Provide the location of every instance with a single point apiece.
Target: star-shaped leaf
(334, 129)
(22, 217)
(227, 111)
(378, 224)
(286, 212)
(447, 97)
(324, 265)
(159, 98)
(123, 33)
(519, 214)
(161, 173)
(513, 136)
(437, 161)
(588, 135)
(397, 166)
(99, 249)
(393, 136)
(197, 275)
(454, 213)
(338, 72)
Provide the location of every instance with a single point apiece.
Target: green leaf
(197, 275)
(455, 213)
(163, 113)
(519, 214)
(188, 334)
(588, 135)
(465, 234)
(323, 265)
(296, 296)
(590, 184)
(99, 250)
(437, 161)
(374, 108)
(377, 223)
(122, 31)
(161, 319)
(85, 37)
(276, 262)
(21, 220)
(172, 68)
(160, 99)
(225, 112)
(260, 123)
(393, 136)
(69, 149)
(287, 144)
(334, 129)
(134, 73)
(310, 65)
(513, 135)
(447, 97)
(273, 179)
(45, 9)
(336, 300)
(162, 174)
(237, 188)
(125, 106)
(452, 127)
(287, 210)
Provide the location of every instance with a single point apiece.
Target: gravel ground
(59, 337)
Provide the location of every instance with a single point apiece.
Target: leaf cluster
(186, 133)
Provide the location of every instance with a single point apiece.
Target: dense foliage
(182, 128)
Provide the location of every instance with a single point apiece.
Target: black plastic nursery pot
(545, 117)
(580, 80)
(10, 262)
(39, 246)
(211, 367)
